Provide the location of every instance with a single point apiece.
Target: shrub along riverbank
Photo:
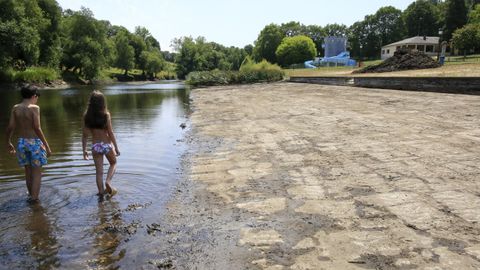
(249, 72)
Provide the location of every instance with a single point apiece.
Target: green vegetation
(295, 49)
(40, 42)
(200, 55)
(249, 72)
(31, 74)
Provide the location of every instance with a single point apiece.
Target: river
(72, 228)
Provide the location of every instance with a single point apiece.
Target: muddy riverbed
(299, 176)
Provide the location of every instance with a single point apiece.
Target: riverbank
(306, 176)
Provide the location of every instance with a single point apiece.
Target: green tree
(139, 46)
(200, 55)
(154, 62)
(149, 40)
(248, 49)
(455, 17)
(125, 52)
(297, 49)
(292, 29)
(317, 34)
(364, 40)
(21, 22)
(467, 38)
(368, 36)
(267, 43)
(389, 25)
(474, 16)
(84, 43)
(422, 18)
(50, 44)
(335, 30)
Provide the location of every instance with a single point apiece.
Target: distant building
(428, 45)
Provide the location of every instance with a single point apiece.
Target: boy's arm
(9, 133)
(38, 129)
(111, 135)
(84, 142)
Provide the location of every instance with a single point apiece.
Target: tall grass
(31, 74)
(36, 74)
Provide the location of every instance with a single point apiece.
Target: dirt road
(299, 176)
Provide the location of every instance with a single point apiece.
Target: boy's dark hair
(29, 91)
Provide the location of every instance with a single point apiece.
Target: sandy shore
(300, 176)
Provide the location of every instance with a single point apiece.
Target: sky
(228, 22)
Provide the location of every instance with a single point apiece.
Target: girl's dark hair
(96, 114)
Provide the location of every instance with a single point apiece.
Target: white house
(428, 45)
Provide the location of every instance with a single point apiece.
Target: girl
(98, 123)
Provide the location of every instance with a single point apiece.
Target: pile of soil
(402, 60)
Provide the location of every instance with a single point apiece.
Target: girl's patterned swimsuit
(101, 148)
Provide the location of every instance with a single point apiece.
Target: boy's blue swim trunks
(31, 152)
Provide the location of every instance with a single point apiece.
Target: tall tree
(125, 52)
(21, 22)
(455, 17)
(474, 16)
(389, 24)
(422, 18)
(267, 43)
(50, 46)
(84, 45)
(316, 33)
(335, 29)
(368, 36)
(292, 29)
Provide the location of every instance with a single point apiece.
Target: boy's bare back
(24, 117)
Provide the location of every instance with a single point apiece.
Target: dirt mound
(402, 60)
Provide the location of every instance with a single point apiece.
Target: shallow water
(71, 227)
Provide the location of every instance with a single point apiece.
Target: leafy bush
(249, 73)
(296, 49)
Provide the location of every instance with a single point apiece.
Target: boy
(32, 148)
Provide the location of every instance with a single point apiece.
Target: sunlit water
(72, 228)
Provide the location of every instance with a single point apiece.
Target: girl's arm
(38, 129)
(9, 133)
(84, 141)
(111, 135)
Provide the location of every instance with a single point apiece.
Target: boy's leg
(36, 181)
(98, 159)
(112, 159)
(28, 178)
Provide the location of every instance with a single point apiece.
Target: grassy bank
(31, 75)
(454, 67)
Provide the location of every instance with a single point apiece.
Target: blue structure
(335, 54)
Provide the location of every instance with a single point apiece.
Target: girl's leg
(112, 159)
(36, 177)
(28, 178)
(98, 160)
